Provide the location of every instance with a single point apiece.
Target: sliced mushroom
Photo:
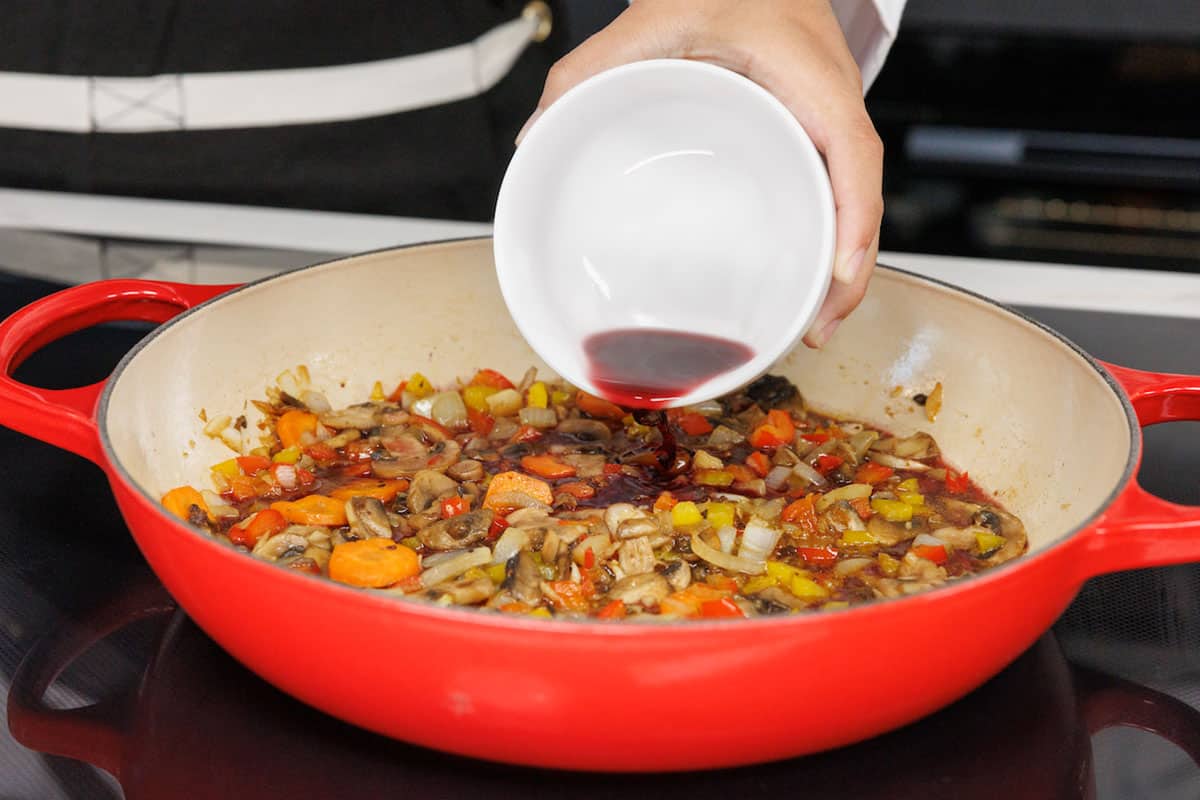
(522, 579)
(783, 597)
(443, 455)
(636, 556)
(406, 450)
(618, 513)
(455, 532)
(368, 517)
(586, 465)
(588, 431)
(466, 470)
(600, 544)
(888, 533)
(1014, 534)
(344, 438)
(637, 527)
(363, 416)
(427, 487)
(648, 589)
(465, 591)
(678, 574)
(281, 545)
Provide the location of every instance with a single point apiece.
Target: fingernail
(826, 333)
(845, 270)
(528, 124)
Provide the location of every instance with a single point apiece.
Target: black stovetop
(69, 564)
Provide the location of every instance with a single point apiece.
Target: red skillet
(1045, 428)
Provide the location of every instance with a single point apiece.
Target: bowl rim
(406, 606)
(805, 311)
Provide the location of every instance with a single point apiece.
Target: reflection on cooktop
(177, 717)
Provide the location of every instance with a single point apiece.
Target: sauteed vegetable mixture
(541, 500)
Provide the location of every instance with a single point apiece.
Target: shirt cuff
(870, 27)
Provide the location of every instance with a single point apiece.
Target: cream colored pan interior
(1028, 416)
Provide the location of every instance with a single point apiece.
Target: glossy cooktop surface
(176, 717)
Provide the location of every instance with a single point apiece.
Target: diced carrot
(722, 582)
(862, 507)
(827, 463)
(179, 501)
(740, 472)
(321, 452)
(870, 472)
(759, 463)
(598, 407)
(802, 512)
(490, 377)
(314, 509)
(243, 488)
(817, 556)
(373, 563)
(252, 465)
(267, 522)
(614, 610)
(612, 469)
(578, 489)
(547, 466)
(665, 502)
(382, 489)
(694, 424)
(679, 604)
(398, 393)
(505, 484)
(778, 430)
(516, 608)
(292, 426)
(720, 609)
(567, 595)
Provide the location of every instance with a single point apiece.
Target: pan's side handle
(1106, 701)
(94, 733)
(66, 417)
(1139, 529)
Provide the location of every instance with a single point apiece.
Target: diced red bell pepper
(759, 463)
(862, 507)
(694, 424)
(720, 609)
(778, 430)
(802, 512)
(480, 421)
(577, 489)
(242, 488)
(490, 377)
(815, 438)
(598, 407)
(453, 506)
(397, 394)
(872, 473)
(589, 558)
(827, 463)
(252, 465)
(665, 502)
(497, 527)
(304, 478)
(817, 556)
(740, 472)
(932, 552)
(567, 595)
(722, 582)
(321, 452)
(526, 433)
(267, 522)
(614, 610)
(957, 482)
(612, 469)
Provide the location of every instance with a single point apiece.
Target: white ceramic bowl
(665, 194)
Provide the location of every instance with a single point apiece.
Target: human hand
(793, 48)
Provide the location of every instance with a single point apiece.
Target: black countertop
(188, 721)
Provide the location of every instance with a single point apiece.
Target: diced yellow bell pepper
(497, 573)
(784, 573)
(892, 510)
(474, 574)
(912, 498)
(411, 542)
(558, 397)
(714, 477)
(419, 386)
(476, 396)
(289, 455)
(909, 485)
(835, 605)
(229, 468)
(758, 583)
(377, 393)
(265, 452)
(541, 612)
(685, 514)
(988, 542)
(806, 588)
(720, 515)
(537, 396)
(887, 565)
(856, 538)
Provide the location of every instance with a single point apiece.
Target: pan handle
(66, 417)
(1140, 529)
(94, 733)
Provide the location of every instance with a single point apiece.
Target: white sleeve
(870, 27)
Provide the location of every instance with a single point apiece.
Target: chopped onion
(852, 491)
(449, 567)
(448, 409)
(809, 474)
(285, 474)
(724, 560)
(724, 436)
(708, 408)
(777, 478)
(509, 544)
(861, 442)
(423, 407)
(538, 417)
(758, 541)
(850, 566)
(504, 403)
(726, 535)
(217, 505)
(898, 463)
(315, 402)
(926, 540)
(215, 426)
